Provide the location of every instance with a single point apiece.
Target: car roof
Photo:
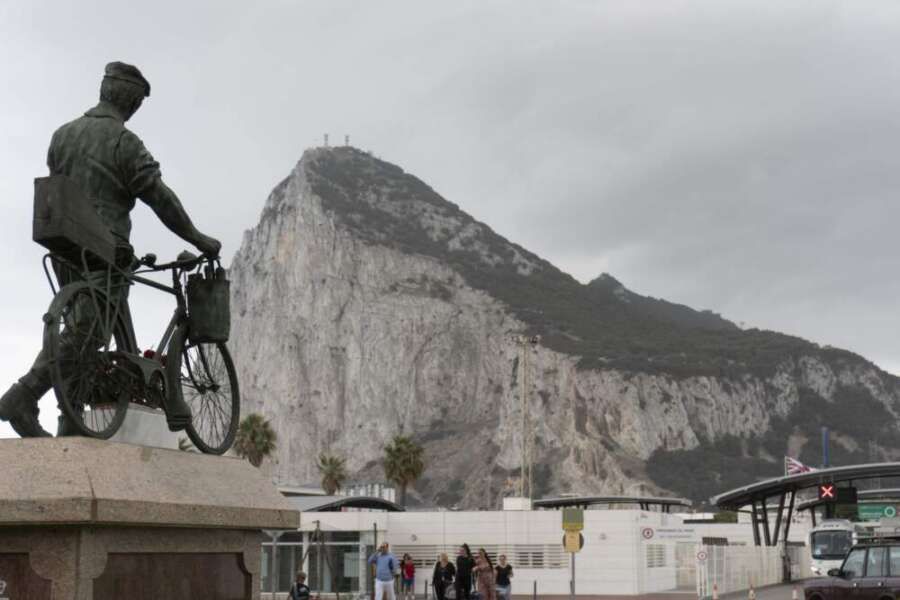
(894, 541)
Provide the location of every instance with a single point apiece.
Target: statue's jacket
(110, 164)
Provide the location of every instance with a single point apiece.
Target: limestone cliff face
(345, 338)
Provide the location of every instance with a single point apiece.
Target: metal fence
(735, 568)
(523, 556)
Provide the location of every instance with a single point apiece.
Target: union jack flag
(792, 466)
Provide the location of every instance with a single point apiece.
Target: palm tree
(333, 470)
(404, 463)
(255, 439)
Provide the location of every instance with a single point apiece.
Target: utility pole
(526, 421)
(526, 481)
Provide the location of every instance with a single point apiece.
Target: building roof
(879, 494)
(304, 489)
(777, 486)
(338, 503)
(642, 501)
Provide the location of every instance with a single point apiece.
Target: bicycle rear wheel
(84, 340)
(204, 375)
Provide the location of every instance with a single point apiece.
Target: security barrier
(736, 568)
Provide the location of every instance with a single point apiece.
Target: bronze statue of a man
(113, 168)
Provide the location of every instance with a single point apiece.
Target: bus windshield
(831, 544)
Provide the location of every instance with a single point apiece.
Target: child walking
(407, 578)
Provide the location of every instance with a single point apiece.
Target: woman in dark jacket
(444, 574)
(464, 565)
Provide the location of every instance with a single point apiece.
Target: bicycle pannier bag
(65, 222)
(209, 309)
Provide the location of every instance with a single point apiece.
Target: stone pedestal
(84, 519)
(147, 427)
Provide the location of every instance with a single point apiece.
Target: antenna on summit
(346, 139)
(326, 140)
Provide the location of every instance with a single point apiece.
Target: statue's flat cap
(126, 72)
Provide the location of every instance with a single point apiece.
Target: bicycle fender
(60, 300)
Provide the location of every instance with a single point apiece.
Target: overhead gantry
(785, 491)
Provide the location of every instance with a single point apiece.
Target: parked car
(870, 571)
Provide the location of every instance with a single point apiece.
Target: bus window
(831, 544)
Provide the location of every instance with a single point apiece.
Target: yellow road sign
(573, 541)
(573, 519)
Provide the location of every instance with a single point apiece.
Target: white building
(626, 551)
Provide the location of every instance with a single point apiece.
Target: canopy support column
(765, 522)
(778, 516)
(790, 515)
(754, 519)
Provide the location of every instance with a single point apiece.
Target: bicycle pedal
(178, 425)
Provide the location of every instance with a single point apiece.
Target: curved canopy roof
(338, 503)
(642, 501)
(777, 486)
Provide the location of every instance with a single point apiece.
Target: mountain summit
(367, 305)
(602, 322)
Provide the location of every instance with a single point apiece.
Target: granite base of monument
(84, 519)
(147, 427)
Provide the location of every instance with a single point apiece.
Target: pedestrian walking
(464, 565)
(484, 574)
(407, 578)
(385, 566)
(299, 589)
(504, 573)
(444, 574)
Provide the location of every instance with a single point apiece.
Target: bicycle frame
(180, 312)
(90, 308)
(113, 279)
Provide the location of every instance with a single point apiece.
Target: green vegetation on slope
(602, 322)
(854, 418)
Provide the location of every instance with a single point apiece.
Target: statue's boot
(178, 413)
(19, 406)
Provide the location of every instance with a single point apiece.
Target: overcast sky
(737, 156)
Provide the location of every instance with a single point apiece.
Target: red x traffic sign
(827, 491)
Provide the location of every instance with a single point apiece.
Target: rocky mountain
(365, 305)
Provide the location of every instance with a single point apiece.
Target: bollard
(534, 591)
(752, 594)
(715, 595)
(795, 594)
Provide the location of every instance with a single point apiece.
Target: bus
(830, 540)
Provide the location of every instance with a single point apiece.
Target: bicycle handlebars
(185, 260)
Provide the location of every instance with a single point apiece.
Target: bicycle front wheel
(84, 341)
(204, 375)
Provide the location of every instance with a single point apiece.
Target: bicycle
(97, 369)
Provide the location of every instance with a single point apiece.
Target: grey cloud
(737, 156)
